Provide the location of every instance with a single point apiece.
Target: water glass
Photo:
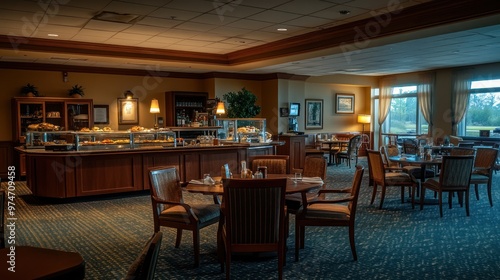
(297, 177)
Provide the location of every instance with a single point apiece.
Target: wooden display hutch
(181, 106)
(65, 113)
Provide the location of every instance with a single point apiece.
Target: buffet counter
(75, 173)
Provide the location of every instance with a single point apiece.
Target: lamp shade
(220, 108)
(155, 106)
(362, 118)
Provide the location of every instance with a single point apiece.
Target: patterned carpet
(394, 243)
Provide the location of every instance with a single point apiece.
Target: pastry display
(137, 128)
(85, 129)
(43, 127)
(106, 129)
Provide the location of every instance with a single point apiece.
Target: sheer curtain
(386, 86)
(425, 92)
(460, 97)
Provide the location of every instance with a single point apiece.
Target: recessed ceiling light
(53, 35)
(344, 12)
(282, 29)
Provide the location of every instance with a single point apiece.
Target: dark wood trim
(427, 15)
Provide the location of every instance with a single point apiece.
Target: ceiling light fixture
(282, 29)
(52, 35)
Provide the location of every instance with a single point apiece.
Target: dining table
(293, 186)
(411, 159)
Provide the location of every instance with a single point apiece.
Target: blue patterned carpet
(394, 243)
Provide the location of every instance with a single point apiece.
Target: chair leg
(440, 197)
(467, 203)
(402, 194)
(476, 189)
(297, 241)
(422, 198)
(489, 193)
(374, 193)
(196, 245)
(382, 196)
(228, 265)
(351, 240)
(178, 238)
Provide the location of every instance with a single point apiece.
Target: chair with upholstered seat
(351, 152)
(454, 177)
(314, 166)
(484, 165)
(254, 213)
(169, 209)
(386, 176)
(330, 212)
(276, 164)
(410, 146)
(144, 266)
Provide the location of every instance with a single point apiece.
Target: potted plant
(76, 91)
(29, 90)
(241, 104)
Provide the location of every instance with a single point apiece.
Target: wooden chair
(351, 152)
(254, 212)
(276, 164)
(330, 212)
(385, 176)
(462, 151)
(454, 177)
(38, 263)
(484, 165)
(169, 209)
(410, 146)
(314, 166)
(143, 268)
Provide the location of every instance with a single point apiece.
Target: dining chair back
(351, 152)
(484, 165)
(330, 212)
(388, 176)
(254, 212)
(454, 177)
(410, 146)
(169, 209)
(144, 266)
(276, 164)
(462, 151)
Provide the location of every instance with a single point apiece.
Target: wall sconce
(128, 94)
(155, 109)
(364, 119)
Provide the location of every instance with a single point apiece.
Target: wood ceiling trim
(416, 17)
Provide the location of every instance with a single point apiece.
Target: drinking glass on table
(297, 177)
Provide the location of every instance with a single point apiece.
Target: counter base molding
(78, 174)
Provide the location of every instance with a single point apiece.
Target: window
(483, 112)
(404, 115)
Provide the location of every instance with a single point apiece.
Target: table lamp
(220, 108)
(364, 119)
(155, 109)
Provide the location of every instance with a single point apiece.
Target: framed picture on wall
(344, 103)
(128, 111)
(314, 114)
(101, 114)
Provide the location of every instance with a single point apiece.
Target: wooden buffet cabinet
(86, 173)
(295, 147)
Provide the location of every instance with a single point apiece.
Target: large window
(483, 112)
(404, 115)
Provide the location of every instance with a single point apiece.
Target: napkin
(196, 182)
(312, 180)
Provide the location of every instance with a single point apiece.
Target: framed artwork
(101, 114)
(314, 114)
(283, 112)
(344, 103)
(128, 111)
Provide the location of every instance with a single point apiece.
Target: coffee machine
(293, 125)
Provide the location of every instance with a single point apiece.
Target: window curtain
(386, 86)
(425, 92)
(460, 97)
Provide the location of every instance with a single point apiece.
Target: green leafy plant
(241, 104)
(76, 89)
(29, 88)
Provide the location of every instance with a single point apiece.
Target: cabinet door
(79, 114)
(27, 113)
